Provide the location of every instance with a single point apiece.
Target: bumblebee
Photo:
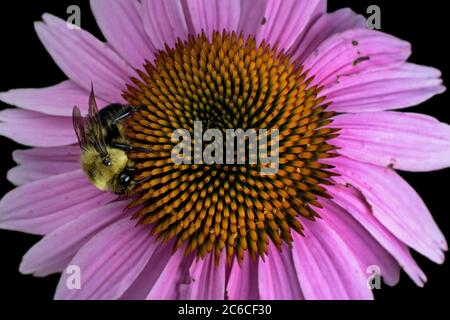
(104, 145)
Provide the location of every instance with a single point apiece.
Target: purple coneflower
(335, 208)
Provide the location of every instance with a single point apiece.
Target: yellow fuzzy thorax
(100, 175)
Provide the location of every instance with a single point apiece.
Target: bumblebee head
(103, 168)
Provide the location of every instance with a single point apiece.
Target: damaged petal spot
(355, 42)
(392, 163)
(360, 59)
(263, 21)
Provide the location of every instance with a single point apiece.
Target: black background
(25, 63)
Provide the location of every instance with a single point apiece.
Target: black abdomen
(107, 115)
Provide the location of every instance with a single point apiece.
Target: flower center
(228, 82)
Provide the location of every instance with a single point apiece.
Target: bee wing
(93, 109)
(94, 122)
(98, 139)
(78, 126)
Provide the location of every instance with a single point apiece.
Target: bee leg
(128, 111)
(122, 146)
(135, 183)
(142, 181)
(132, 170)
(128, 148)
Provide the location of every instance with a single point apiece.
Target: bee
(104, 145)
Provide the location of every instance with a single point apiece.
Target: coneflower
(229, 82)
(334, 207)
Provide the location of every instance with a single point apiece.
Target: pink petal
(405, 141)
(109, 262)
(326, 267)
(243, 280)
(354, 51)
(366, 249)
(66, 153)
(252, 14)
(207, 280)
(54, 252)
(354, 202)
(214, 15)
(24, 174)
(287, 20)
(277, 276)
(174, 275)
(143, 284)
(164, 21)
(36, 129)
(43, 206)
(326, 26)
(40, 163)
(377, 90)
(57, 100)
(395, 204)
(121, 24)
(84, 59)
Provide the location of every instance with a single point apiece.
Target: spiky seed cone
(228, 82)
